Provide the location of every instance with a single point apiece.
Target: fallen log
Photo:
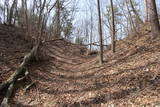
(21, 70)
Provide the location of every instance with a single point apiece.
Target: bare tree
(91, 23)
(12, 10)
(58, 26)
(113, 27)
(135, 12)
(153, 16)
(146, 9)
(100, 33)
(40, 20)
(130, 18)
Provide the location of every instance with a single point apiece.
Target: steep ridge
(70, 78)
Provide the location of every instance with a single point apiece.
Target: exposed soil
(71, 78)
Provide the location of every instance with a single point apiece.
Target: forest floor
(71, 78)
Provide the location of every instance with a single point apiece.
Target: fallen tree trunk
(21, 70)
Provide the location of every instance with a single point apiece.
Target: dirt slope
(13, 47)
(128, 78)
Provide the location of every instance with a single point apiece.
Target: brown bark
(58, 26)
(12, 12)
(40, 23)
(100, 33)
(24, 18)
(146, 10)
(153, 17)
(91, 33)
(113, 27)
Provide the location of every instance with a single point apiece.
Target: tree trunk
(23, 21)
(4, 14)
(40, 23)
(100, 33)
(113, 27)
(135, 12)
(12, 12)
(133, 28)
(7, 11)
(146, 10)
(58, 26)
(91, 33)
(153, 16)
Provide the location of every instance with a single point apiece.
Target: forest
(79, 53)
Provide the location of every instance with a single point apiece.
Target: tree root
(29, 86)
(7, 96)
(25, 76)
(9, 84)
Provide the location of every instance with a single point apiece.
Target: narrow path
(71, 79)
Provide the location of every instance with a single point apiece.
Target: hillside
(68, 77)
(13, 47)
